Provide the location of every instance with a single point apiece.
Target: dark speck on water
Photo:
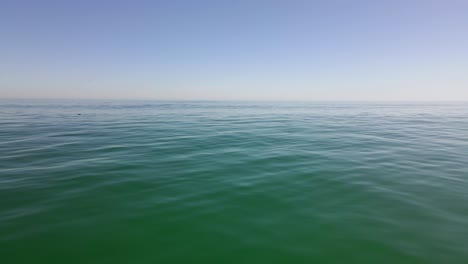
(233, 182)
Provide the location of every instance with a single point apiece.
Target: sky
(366, 50)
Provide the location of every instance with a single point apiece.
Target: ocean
(233, 182)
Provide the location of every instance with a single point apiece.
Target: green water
(233, 182)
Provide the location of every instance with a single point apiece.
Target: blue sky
(235, 50)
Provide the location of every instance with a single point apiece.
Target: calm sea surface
(233, 182)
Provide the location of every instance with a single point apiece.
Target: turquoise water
(233, 182)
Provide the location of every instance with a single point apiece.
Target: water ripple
(168, 182)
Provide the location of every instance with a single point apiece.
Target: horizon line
(239, 100)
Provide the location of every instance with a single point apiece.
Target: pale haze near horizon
(235, 50)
